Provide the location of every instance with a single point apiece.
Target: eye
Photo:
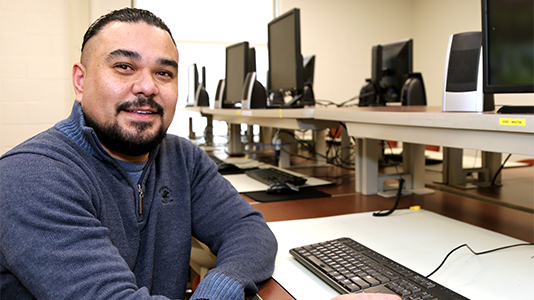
(165, 74)
(124, 67)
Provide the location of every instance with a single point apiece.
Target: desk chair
(202, 260)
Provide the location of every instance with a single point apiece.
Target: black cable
(476, 253)
(397, 200)
(500, 169)
(312, 150)
(355, 97)
(325, 102)
(399, 192)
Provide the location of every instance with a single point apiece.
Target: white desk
(292, 119)
(419, 240)
(417, 126)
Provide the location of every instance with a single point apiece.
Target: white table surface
(419, 240)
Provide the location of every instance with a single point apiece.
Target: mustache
(140, 102)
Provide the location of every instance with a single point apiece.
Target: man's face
(127, 85)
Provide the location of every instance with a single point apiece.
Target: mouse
(226, 168)
(282, 188)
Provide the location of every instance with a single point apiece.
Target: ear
(78, 76)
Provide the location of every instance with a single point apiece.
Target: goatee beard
(115, 138)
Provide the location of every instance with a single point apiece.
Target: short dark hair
(127, 15)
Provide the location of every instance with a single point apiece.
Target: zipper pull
(141, 199)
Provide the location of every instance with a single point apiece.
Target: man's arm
(236, 233)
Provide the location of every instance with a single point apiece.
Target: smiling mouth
(141, 112)
(141, 106)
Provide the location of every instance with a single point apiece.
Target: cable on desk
(357, 97)
(476, 253)
(324, 102)
(500, 169)
(344, 103)
(399, 192)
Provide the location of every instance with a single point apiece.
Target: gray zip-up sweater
(74, 225)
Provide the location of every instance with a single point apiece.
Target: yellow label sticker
(238, 112)
(280, 113)
(512, 122)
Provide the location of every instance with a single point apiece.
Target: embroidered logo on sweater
(165, 194)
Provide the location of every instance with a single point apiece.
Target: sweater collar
(74, 127)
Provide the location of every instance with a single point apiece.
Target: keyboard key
(371, 280)
(360, 282)
(352, 287)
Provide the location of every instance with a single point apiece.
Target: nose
(145, 84)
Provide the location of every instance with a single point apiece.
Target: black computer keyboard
(350, 267)
(272, 176)
(216, 160)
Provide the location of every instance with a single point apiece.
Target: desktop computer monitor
(192, 84)
(286, 71)
(508, 46)
(240, 60)
(392, 64)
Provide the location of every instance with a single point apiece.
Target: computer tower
(463, 91)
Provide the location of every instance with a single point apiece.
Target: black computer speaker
(219, 94)
(463, 75)
(201, 96)
(253, 94)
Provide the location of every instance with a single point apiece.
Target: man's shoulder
(50, 142)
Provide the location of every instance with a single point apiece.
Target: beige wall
(34, 73)
(39, 41)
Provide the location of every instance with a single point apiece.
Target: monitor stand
(306, 98)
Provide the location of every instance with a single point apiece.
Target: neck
(124, 157)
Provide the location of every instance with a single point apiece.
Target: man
(104, 204)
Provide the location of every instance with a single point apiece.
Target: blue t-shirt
(134, 169)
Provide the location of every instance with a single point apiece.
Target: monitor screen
(508, 46)
(285, 58)
(237, 67)
(192, 84)
(392, 64)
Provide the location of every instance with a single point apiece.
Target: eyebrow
(169, 62)
(124, 53)
(136, 56)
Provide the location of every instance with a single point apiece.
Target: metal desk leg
(455, 175)
(235, 147)
(413, 158)
(319, 137)
(208, 131)
(358, 168)
(284, 158)
(371, 150)
(345, 144)
(192, 136)
(492, 161)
